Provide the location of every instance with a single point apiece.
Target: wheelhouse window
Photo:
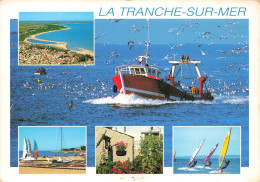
(142, 70)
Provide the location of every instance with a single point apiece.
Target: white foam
(131, 99)
(214, 172)
(187, 169)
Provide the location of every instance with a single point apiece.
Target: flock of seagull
(207, 36)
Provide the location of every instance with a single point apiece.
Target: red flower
(115, 171)
(122, 167)
(125, 167)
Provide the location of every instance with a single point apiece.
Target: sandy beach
(85, 51)
(42, 166)
(62, 45)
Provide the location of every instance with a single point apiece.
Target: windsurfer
(208, 164)
(226, 164)
(194, 164)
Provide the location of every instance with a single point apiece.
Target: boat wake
(128, 100)
(135, 100)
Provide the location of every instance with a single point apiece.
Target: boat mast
(61, 139)
(147, 44)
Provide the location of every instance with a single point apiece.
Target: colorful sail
(224, 148)
(35, 150)
(206, 159)
(196, 152)
(174, 156)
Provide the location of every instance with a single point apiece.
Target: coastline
(61, 45)
(85, 51)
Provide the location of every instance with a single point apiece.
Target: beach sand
(85, 51)
(42, 166)
(62, 45)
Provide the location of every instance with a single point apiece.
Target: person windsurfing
(208, 164)
(226, 164)
(194, 164)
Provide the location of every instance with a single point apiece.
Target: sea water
(180, 166)
(80, 35)
(91, 90)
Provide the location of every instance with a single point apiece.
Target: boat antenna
(147, 44)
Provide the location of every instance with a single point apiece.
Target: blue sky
(187, 139)
(172, 31)
(56, 16)
(48, 138)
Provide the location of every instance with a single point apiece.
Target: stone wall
(115, 137)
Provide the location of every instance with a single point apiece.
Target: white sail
(29, 151)
(196, 152)
(26, 154)
(24, 148)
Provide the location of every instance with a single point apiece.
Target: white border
(9, 10)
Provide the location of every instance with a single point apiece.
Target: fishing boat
(145, 80)
(192, 159)
(207, 158)
(40, 71)
(224, 150)
(27, 154)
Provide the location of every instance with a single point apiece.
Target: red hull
(149, 87)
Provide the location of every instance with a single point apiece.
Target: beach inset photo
(52, 150)
(56, 38)
(206, 150)
(129, 150)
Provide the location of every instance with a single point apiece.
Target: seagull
(71, 105)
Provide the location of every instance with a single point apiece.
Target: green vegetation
(27, 29)
(150, 160)
(82, 148)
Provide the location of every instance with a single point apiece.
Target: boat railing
(138, 70)
(121, 69)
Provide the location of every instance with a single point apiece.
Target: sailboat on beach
(27, 154)
(60, 160)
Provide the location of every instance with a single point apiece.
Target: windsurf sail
(196, 152)
(206, 159)
(224, 148)
(174, 156)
